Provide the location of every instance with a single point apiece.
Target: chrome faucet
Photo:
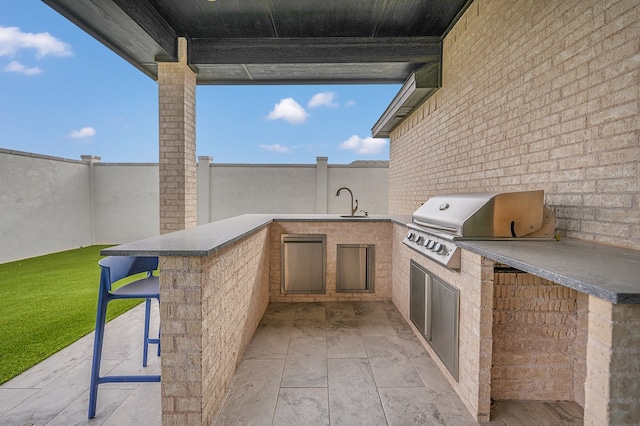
(354, 209)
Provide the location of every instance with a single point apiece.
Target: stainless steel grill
(445, 219)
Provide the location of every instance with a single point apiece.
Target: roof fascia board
(316, 50)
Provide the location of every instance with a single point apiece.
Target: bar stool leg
(101, 316)
(147, 314)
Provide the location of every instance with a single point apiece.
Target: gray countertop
(609, 273)
(206, 239)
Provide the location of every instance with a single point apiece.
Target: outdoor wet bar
(539, 320)
(216, 281)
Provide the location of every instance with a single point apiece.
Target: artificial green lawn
(47, 303)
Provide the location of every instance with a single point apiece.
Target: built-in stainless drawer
(303, 263)
(355, 268)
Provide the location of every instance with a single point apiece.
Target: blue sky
(63, 93)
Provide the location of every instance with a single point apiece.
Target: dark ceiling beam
(315, 50)
(150, 20)
(105, 21)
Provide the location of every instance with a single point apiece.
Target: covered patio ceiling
(275, 41)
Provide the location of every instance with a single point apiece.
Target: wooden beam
(315, 50)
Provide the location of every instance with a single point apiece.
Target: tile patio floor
(320, 363)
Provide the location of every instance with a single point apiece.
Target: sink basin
(354, 217)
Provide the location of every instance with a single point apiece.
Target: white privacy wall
(369, 182)
(126, 200)
(50, 204)
(44, 205)
(261, 189)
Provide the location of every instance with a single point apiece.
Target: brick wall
(365, 232)
(580, 351)
(612, 391)
(535, 95)
(210, 310)
(538, 353)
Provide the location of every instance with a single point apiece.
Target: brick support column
(178, 172)
(612, 388)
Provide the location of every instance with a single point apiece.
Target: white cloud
(365, 146)
(276, 147)
(17, 67)
(12, 40)
(289, 110)
(350, 103)
(85, 132)
(323, 99)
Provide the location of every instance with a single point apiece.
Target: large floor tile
(306, 363)
(344, 340)
(270, 340)
(369, 310)
(431, 375)
(309, 328)
(49, 401)
(253, 395)
(379, 327)
(389, 362)
(281, 311)
(139, 408)
(353, 396)
(410, 406)
(302, 406)
(310, 311)
(11, 397)
(339, 311)
(75, 414)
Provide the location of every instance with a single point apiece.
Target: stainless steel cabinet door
(355, 268)
(303, 264)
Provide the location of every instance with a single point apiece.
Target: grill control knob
(437, 247)
(420, 240)
(442, 250)
(430, 244)
(411, 236)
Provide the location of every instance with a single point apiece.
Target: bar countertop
(206, 239)
(609, 273)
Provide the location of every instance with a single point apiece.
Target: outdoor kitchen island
(217, 280)
(215, 284)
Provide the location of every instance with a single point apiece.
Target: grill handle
(432, 226)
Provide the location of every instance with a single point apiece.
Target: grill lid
(485, 214)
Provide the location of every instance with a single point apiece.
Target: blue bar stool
(113, 269)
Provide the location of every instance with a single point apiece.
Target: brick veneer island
(563, 323)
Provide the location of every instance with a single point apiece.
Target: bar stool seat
(112, 270)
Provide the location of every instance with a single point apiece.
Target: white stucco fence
(50, 204)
